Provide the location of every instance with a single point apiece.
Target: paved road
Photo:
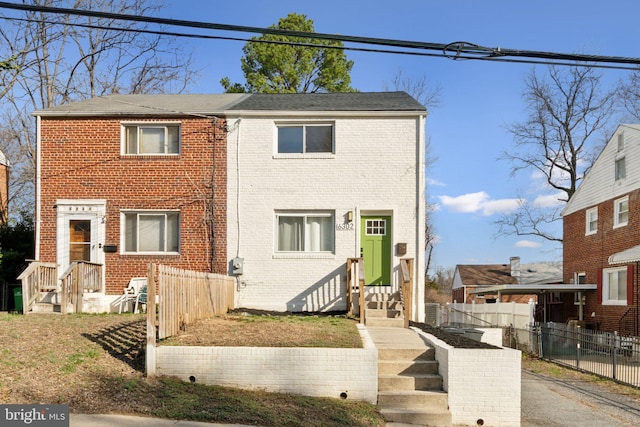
(550, 402)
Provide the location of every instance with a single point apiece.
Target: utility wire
(456, 50)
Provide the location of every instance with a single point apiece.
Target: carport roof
(531, 288)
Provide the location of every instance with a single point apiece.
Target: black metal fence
(604, 354)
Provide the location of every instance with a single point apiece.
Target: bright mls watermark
(34, 415)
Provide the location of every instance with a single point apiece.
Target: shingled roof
(484, 275)
(353, 101)
(219, 104)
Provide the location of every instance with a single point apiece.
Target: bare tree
(566, 109)
(428, 95)
(629, 93)
(423, 90)
(63, 58)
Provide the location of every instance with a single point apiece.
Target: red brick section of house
(81, 159)
(589, 254)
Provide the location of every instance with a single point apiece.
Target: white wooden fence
(499, 314)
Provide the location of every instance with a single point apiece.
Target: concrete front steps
(409, 386)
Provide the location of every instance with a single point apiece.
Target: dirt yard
(95, 363)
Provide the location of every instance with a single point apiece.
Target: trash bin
(17, 298)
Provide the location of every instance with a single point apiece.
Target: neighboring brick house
(601, 234)
(277, 189)
(469, 277)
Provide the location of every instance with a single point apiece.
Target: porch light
(350, 216)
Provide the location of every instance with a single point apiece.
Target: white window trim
(164, 124)
(303, 253)
(588, 213)
(616, 212)
(620, 141)
(123, 230)
(323, 155)
(605, 286)
(617, 172)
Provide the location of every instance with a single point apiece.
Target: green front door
(375, 249)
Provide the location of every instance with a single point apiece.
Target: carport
(540, 290)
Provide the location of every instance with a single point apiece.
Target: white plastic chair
(132, 293)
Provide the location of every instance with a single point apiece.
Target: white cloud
(527, 244)
(500, 206)
(549, 200)
(435, 183)
(479, 202)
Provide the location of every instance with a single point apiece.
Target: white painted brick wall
(325, 372)
(373, 170)
(481, 384)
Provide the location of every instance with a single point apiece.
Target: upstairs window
(151, 139)
(312, 138)
(151, 232)
(621, 212)
(592, 221)
(620, 141)
(305, 232)
(621, 169)
(614, 286)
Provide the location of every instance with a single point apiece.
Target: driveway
(560, 402)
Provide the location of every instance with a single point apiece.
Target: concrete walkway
(395, 338)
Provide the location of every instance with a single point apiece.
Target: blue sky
(468, 183)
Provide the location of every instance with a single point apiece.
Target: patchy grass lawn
(247, 330)
(95, 364)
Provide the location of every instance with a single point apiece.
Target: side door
(375, 249)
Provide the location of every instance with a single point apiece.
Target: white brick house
(314, 179)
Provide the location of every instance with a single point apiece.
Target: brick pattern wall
(373, 171)
(303, 371)
(81, 159)
(589, 254)
(478, 390)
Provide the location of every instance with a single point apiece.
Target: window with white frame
(151, 232)
(305, 231)
(151, 138)
(614, 286)
(307, 138)
(621, 168)
(621, 212)
(620, 141)
(591, 221)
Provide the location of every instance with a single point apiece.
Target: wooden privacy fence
(185, 296)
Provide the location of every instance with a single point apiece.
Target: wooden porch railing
(406, 288)
(80, 277)
(36, 278)
(355, 283)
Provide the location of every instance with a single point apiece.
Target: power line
(456, 50)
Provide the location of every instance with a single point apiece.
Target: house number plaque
(345, 226)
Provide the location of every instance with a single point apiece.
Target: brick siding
(589, 254)
(81, 159)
